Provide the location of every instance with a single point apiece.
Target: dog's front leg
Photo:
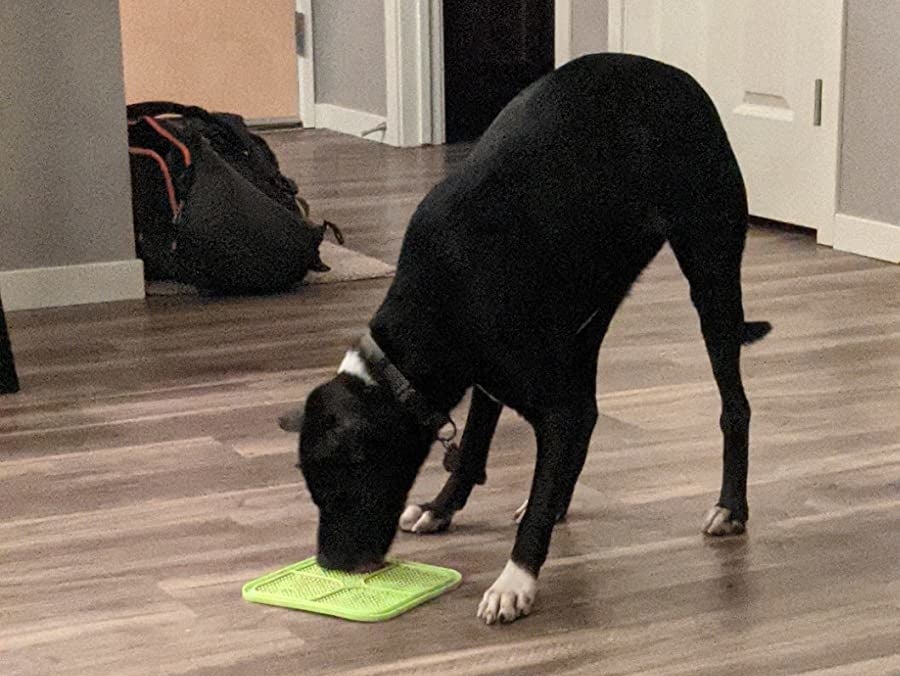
(562, 439)
(435, 516)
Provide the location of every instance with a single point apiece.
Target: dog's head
(359, 454)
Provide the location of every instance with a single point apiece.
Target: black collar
(407, 396)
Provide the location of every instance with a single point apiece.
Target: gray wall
(65, 196)
(870, 153)
(589, 26)
(349, 54)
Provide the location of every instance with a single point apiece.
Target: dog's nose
(368, 567)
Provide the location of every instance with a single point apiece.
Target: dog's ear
(291, 421)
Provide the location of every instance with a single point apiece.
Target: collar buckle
(437, 423)
(447, 432)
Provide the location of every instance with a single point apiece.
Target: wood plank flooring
(143, 479)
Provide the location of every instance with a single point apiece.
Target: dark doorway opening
(492, 50)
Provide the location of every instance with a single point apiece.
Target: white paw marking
(355, 365)
(415, 520)
(718, 521)
(519, 514)
(410, 516)
(510, 597)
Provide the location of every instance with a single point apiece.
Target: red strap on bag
(162, 131)
(167, 177)
(175, 205)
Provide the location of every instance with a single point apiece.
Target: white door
(773, 68)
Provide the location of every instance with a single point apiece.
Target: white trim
(562, 32)
(438, 105)
(865, 237)
(306, 72)
(349, 121)
(72, 284)
(825, 233)
(423, 75)
(408, 69)
(392, 58)
(615, 26)
(414, 67)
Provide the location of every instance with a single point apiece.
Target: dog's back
(570, 193)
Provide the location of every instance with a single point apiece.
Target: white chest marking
(355, 366)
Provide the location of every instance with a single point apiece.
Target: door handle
(817, 105)
(300, 32)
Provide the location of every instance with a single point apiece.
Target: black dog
(509, 275)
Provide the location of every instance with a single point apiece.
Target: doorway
(492, 50)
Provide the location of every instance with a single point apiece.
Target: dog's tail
(754, 331)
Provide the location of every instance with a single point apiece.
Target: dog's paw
(416, 520)
(718, 521)
(510, 597)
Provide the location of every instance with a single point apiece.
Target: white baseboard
(33, 288)
(349, 121)
(867, 237)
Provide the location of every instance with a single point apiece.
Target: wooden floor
(143, 479)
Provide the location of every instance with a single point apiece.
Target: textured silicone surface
(364, 597)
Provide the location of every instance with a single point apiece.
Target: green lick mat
(362, 597)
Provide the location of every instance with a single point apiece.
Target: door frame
(562, 32)
(414, 58)
(306, 72)
(414, 63)
(615, 24)
(563, 16)
(826, 231)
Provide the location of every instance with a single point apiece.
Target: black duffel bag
(211, 206)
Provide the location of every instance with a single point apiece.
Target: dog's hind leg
(435, 516)
(710, 257)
